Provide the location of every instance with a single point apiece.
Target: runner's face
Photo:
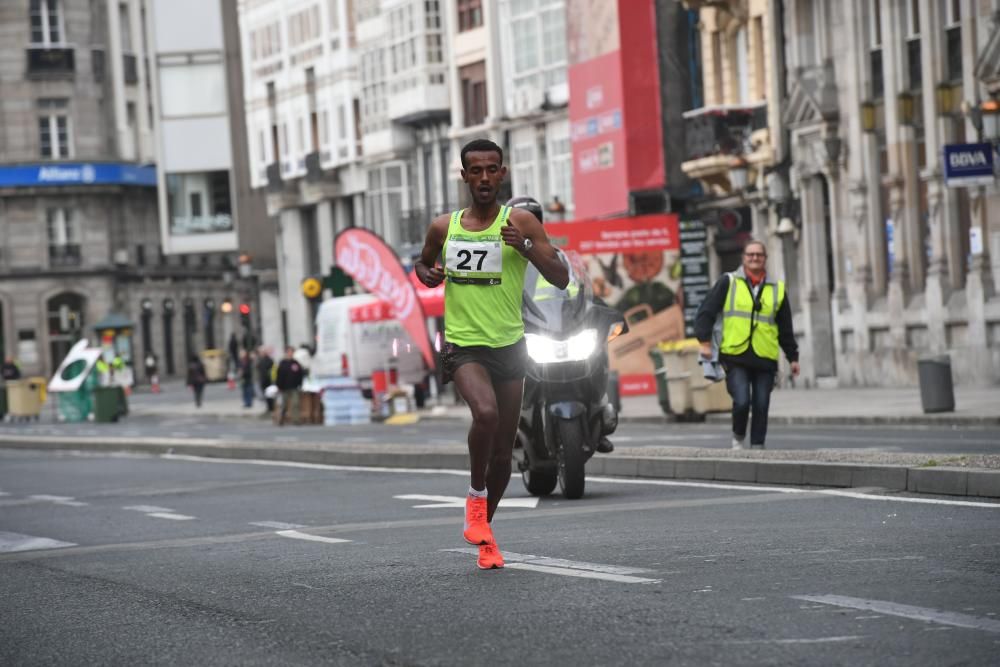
(483, 175)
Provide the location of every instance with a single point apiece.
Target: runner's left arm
(523, 225)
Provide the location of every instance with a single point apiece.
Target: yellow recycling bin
(25, 398)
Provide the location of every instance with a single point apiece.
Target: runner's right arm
(427, 269)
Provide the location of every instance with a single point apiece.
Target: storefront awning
(431, 299)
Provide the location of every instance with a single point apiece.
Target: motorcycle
(565, 411)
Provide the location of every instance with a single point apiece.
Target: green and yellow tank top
(483, 285)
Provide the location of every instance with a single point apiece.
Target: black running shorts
(504, 364)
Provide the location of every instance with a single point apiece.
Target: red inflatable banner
(364, 256)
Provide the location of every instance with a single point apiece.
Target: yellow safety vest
(742, 327)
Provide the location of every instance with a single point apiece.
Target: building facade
(81, 234)
(887, 265)
(357, 111)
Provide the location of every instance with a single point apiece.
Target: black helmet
(528, 204)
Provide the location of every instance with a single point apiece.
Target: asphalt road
(126, 559)
(913, 439)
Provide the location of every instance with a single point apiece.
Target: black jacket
(289, 375)
(264, 366)
(713, 305)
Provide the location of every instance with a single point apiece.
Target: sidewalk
(974, 406)
(870, 471)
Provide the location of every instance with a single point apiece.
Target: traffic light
(245, 314)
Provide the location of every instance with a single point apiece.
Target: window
(953, 40)
(386, 199)
(53, 128)
(140, 255)
(199, 203)
(474, 99)
(536, 32)
(759, 73)
(720, 97)
(46, 23)
(178, 80)
(875, 49)
(470, 14)
(560, 163)
(742, 53)
(125, 28)
(914, 70)
(265, 42)
(523, 163)
(303, 27)
(64, 237)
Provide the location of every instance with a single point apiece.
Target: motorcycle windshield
(548, 309)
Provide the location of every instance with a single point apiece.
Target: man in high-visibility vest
(756, 325)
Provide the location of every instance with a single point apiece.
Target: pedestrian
(756, 325)
(246, 378)
(264, 366)
(11, 370)
(289, 382)
(196, 378)
(486, 249)
(234, 352)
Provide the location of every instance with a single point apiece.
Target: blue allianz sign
(968, 164)
(69, 173)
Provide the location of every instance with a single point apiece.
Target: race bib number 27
(474, 262)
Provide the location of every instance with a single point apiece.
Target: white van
(362, 346)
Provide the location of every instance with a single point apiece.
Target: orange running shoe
(477, 530)
(490, 557)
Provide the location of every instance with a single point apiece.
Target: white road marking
(906, 611)
(11, 542)
(568, 568)
(147, 508)
(296, 535)
(159, 512)
(436, 502)
(816, 640)
(596, 480)
(171, 516)
(59, 500)
(617, 578)
(277, 524)
(786, 489)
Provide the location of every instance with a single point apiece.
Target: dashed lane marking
(68, 501)
(906, 611)
(159, 512)
(296, 535)
(435, 502)
(568, 568)
(12, 542)
(170, 515)
(805, 640)
(281, 525)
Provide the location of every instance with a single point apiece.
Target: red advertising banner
(614, 108)
(364, 256)
(635, 266)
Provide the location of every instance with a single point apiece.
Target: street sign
(967, 165)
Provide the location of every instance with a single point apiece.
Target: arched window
(66, 324)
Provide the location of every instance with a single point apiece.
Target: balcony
(51, 62)
(721, 130)
(64, 255)
(718, 138)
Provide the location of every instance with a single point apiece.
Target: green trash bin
(109, 404)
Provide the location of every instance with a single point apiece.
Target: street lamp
(990, 110)
(738, 174)
(868, 120)
(906, 108)
(944, 93)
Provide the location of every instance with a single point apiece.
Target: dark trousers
(247, 395)
(199, 390)
(751, 391)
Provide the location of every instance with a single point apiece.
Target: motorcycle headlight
(546, 350)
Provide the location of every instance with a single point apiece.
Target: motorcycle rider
(531, 205)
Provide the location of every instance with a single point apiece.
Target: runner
(485, 250)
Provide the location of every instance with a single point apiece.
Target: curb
(976, 482)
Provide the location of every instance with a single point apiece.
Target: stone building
(80, 231)
(886, 264)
